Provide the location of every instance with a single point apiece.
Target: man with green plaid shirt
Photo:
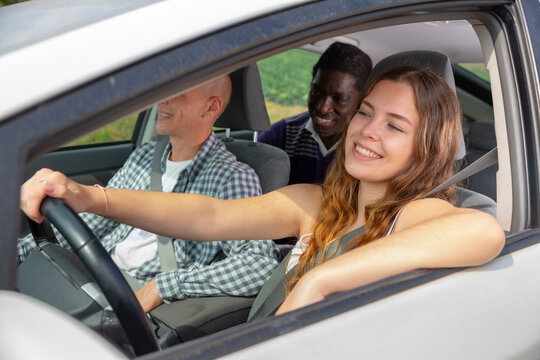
(195, 161)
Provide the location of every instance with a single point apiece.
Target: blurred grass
(10, 2)
(118, 131)
(286, 77)
(277, 112)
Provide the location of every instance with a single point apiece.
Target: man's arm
(242, 273)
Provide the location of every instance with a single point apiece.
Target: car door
(484, 312)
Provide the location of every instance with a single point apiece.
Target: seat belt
(488, 159)
(167, 258)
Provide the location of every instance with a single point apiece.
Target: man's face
(180, 114)
(332, 100)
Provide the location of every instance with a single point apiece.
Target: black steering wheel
(107, 275)
(42, 232)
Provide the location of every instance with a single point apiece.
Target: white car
(71, 67)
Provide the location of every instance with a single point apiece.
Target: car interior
(239, 125)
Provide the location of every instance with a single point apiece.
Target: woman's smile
(363, 153)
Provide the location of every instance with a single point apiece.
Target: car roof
(33, 21)
(56, 45)
(461, 44)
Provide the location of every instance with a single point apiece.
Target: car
(70, 67)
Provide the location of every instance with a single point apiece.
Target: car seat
(247, 114)
(247, 111)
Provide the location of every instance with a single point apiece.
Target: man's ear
(214, 107)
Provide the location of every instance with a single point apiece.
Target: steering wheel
(109, 278)
(42, 232)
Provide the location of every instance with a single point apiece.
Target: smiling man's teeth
(323, 120)
(165, 115)
(367, 153)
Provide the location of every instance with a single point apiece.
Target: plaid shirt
(213, 172)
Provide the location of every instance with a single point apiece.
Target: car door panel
(89, 165)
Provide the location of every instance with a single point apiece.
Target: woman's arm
(275, 215)
(430, 233)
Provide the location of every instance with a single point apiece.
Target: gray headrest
(437, 62)
(482, 136)
(246, 110)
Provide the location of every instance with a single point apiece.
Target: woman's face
(380, 138)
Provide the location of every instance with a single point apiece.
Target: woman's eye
(364, 114)
(394, 127)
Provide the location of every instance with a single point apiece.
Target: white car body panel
(51, 335)
(411, 325)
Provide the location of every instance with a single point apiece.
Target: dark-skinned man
(311, 138)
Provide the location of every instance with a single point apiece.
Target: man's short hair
(347, 59)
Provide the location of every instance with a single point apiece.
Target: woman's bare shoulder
(418, 211)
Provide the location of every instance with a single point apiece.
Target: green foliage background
(286, 77)
(119, 131)
(479, 69)
(10, 2)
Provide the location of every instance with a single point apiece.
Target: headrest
(482, 136)
(437, 62)
(246, 109)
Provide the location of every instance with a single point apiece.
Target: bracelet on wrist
(106, 199)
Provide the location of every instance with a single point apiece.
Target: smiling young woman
(399, 145)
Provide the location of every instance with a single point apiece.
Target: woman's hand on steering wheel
(51, 183)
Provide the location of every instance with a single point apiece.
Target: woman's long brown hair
(436, 145)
